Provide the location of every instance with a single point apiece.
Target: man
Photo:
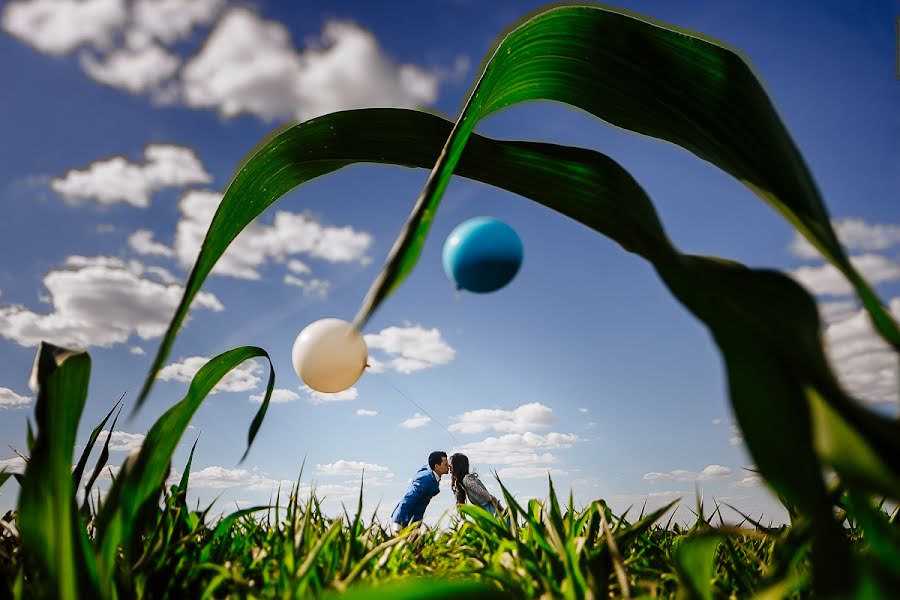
(424, 486)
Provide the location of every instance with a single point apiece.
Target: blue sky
(122, 122)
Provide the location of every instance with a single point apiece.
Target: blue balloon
(482, 255)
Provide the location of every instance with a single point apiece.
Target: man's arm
(412, 497)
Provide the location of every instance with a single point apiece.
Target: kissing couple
(425, 485)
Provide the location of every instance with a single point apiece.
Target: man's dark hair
(435, 458)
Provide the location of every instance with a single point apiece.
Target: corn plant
(797, 421)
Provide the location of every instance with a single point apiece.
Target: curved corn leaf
(51, 530)
(695, 564)
(765, 324)
(144, 473)
(652, 78)
(629, 70)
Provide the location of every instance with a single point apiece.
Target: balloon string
(418, 406)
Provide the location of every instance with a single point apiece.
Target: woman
(467, 485)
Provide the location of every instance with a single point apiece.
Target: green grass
(797, 421)
(539, 549)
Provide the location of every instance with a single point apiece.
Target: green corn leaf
(92, 439)
(695, 563)
(143, 474)
(652, 78)
(426, 589)
(629, 70)
(101, 462)
(51, 529)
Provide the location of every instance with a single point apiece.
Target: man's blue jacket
(422, 489)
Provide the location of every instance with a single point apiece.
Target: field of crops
(292, 549)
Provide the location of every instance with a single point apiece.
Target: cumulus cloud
(854, 234)
(10, 399)
(122, 441)
(242, 378)
(279, 396)
(137, 350)
(349, 467)
(117, 179)
(315, 397)
(364, 412)
(415, 421)
(863, 362)
(58, 27)
(172, 20)
(289, 234)
(133, 69)
(249, 65)
(315, 288)
(98, 301)
(519, 449)
(826, 280)
(523, 419)
(708, 472)
(142, 242)
(412, 348)
(220, 478)
(750, 481)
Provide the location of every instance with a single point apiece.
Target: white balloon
(329, 355)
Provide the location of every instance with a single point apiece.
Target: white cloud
(716, 421)
(289, 234)
(854, 234)
(162, 274)
(736, 437)
(142, 242)
(59, 26)
(122, 441)
(364, 412)
(172, 20)
(98, 301)
(529, 472)
(242, 378)
(117, 179)
(413, 348)
(250, 65)
(583, 411)
(518, 448)
(315, 397)
(826, 280)
(137, 350)
(349, 467)
(317, 288)
(16, 464)
(863, 362)
(526, 417)
(222, 478)
(837, 310)
(10, 399)
(133, 69)
(298, 266)
(279, 396)
(749, 481)
(708, 472)
(416, 421)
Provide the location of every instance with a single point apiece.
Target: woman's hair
(459, 468)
